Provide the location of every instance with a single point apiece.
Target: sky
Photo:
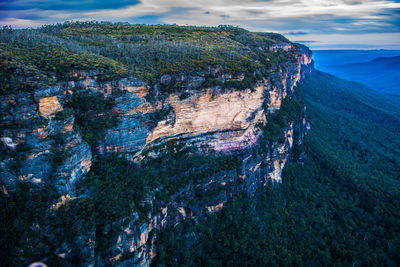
(327, 24)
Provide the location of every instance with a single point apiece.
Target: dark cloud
(330, 24)
(296, 33)
(158, 18)
(392, 17)
(306, 42)
(32, 16)
(15, 5)
(255, 12)
(154, 19)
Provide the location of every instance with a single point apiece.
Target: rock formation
(42, 144)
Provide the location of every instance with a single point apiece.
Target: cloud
(296, 33)
(348, 41)
(65, 5)
(295, 18)
(307, 42)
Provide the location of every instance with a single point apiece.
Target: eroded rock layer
(39, 146)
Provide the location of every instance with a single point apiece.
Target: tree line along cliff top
(43, 56)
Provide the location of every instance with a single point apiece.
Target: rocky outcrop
(48, 106)
(39, 146)
(306, 61)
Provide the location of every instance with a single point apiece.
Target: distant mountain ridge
(380, 73)
(324, 59)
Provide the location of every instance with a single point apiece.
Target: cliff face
(219, 119)
(134, 239)
(39, 146)
(227, 121)
(42, 143)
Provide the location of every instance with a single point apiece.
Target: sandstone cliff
(227, 121)
(42, 143)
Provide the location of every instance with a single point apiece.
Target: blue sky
(364, 24)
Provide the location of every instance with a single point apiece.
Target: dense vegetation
(30, 59)
(339, 207)
(49, 54)
(93, 115)
(112, 190)
(291, 110)
(168, 172)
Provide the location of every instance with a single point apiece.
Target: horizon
(321, 25)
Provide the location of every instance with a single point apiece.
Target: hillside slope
(381, 74)
(330, 58)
